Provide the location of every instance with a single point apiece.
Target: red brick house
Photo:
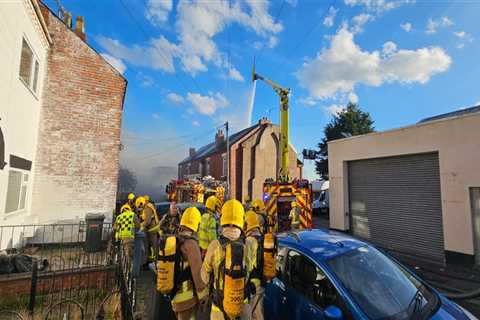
(254, 157)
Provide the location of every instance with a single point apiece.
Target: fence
(63, 271)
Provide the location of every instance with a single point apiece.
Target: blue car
(328, 275)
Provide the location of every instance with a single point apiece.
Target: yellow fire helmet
(213, 204)
(125, 207)
(131, 196)
(232, 214)
(293, 204)
(258, 205)
(140, 202)
(147, 198)
(251, 221)
(191, 219)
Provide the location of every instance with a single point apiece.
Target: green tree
(350, 122)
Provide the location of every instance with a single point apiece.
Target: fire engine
(195, 190)
(278, 195)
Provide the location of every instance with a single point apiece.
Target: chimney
(80, 28)
(264, 121)
(191, 152)
(219, 138)
(67, 19)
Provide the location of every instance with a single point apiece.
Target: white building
(24, 50)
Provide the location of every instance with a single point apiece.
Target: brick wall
(79, 137)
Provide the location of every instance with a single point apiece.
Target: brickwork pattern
(79, 137)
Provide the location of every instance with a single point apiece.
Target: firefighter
(208, 230)
(230, 252)
(130, 202)
(254, 234)
(191, 289)
(170, 222)
(150, 225)
(126, 223)
(294, 216)
(259, 208)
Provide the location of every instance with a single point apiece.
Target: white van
(321, 197)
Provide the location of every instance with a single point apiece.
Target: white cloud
(334, 109)
(434, 25)
(307, 101)
(378, 6)
(197, 24)
(388, 48)
(145, 80)
(460, 34)
(342, 66)
(360, 20)
(158, 11)
(233, 74)
(175, 98)
(272, 42)
(330, 17)
(155, 116)
(292, 3)
(464, 36)
(208, 104)
(195, 123)
(353, 98)
(200, 21)
(460, 45)
(407, 26)
(115, 62)
(157, 55)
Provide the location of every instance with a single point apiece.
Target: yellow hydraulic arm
(283, 94)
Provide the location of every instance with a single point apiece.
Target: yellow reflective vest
(125, 225)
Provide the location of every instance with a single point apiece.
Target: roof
(452, 114)
(213, 148)
(321, 244)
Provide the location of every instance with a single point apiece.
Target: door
(308, 291)
(275, 298)
(475, 205)
(395, 202)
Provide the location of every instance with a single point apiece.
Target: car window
(309, 280)
(281, 259)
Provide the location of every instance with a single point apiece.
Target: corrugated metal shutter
(395, 202)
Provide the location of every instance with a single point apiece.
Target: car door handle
(284, 300)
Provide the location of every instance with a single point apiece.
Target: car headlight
(467, 313)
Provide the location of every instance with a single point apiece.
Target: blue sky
(188, 64)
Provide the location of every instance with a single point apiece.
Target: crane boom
(283, 94)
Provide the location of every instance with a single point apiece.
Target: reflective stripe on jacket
(186, 298)
(125, 225)
(207, 230)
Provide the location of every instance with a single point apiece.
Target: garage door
(395, 203)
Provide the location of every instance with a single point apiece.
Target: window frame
(224, 165)
(34, 77)
(23, 183)
(286, 280)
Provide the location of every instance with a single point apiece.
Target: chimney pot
(67, 19)
(80, 27)
(191, 152)
(264, 120)
(219, 138)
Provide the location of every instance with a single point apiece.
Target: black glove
(252, 289)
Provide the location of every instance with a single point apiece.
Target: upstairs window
(29, 67)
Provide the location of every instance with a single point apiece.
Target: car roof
(320, 244)
(190, 204)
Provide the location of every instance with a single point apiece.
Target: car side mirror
(333, 313)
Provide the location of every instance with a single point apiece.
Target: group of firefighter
(220, 260)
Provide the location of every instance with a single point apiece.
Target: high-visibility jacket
(149, 217)
(216, 255)
(254, 238)
(294, 218)
(125, 225)
(190, 288)
(207, 230)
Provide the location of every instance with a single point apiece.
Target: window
(224, 165)
(29, 67)
(207, 167)
(17, 191)
(309, 280)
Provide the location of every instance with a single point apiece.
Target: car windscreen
(381, 287)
